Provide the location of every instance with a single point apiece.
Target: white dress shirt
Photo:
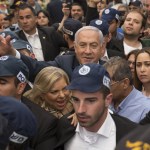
(103, 139)
(35, 42)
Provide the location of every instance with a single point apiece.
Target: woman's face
(131, 62)
(58, 96)
(143, 67)
(42, 20)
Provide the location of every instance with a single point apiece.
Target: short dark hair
(105, 91)
(25, 6)
(76, 4)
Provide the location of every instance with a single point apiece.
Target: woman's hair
(46, 14)
(134, 52)
(137, 82)
(44, 81)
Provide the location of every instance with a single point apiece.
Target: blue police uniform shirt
(134, 107)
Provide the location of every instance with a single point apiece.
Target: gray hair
(101, 38)
(120, 69)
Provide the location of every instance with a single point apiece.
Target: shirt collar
(105, 130)
(105, 57)
(27, 35)
(125, 101)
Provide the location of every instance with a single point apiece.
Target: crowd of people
(75, 74)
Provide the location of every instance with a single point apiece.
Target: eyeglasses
(111, 84)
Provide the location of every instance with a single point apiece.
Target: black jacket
(51, 41)
(65, 130)
(138, 139)
(117, 45)
(65, 62)
(45, 138)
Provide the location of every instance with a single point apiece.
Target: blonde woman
(49, 91)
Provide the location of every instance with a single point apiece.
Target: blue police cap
(11, 66)
(101, 25)
(109, 14)
(21, 44)
(89, 78)
(22, 123)
(71, 26)
(14, 36)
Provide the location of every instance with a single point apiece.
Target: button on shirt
(134, 107)
(103, 139)
(35, 42)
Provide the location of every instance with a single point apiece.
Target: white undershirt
(104, 139)
(128, 49)
(35, 42)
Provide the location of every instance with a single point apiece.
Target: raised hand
(5, 46)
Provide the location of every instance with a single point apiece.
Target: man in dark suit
(89, 48)
(45, 41)
(13, 79)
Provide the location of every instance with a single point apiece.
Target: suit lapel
(22, 35)
(43, 40)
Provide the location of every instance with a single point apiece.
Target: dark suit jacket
(51, 41)
(65, 62)
(117, 45)
(45, 138)
(65, 130)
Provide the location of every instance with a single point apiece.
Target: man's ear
(20, 87)
(126, 83)
(108, 99)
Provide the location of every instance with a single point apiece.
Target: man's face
(88, 48)
(90, 108)
(7, 87)
(114, 86)
(133, 24)
(146, 6)
(76, 12)
(27, 21)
